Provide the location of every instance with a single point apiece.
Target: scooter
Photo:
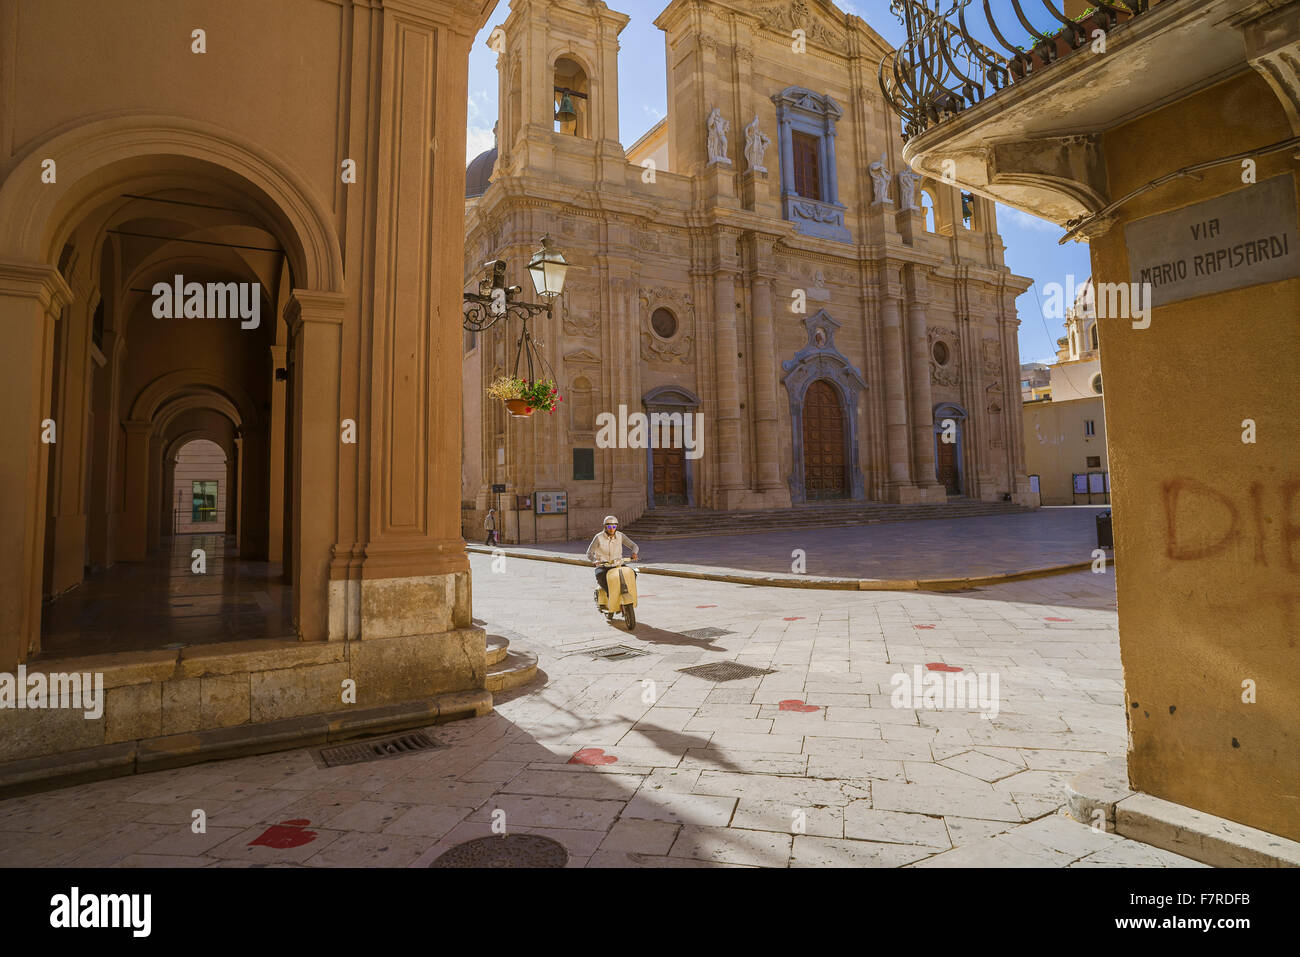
(621, 594)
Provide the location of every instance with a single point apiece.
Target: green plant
(541, 395)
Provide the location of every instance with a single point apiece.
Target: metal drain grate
(616, 653)
(505, 850)
(706, 633)
(375, 749)
(725, 671)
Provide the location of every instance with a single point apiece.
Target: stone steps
(514, 669)
(661, 523)
(508, 669)
(496, 648)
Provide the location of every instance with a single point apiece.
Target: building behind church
(755, 257)
(1065, 424)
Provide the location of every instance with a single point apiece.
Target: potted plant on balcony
(1058, 44)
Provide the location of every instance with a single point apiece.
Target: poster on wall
(1095, 483)
(1080, 483)
(551, 503)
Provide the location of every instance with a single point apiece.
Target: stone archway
(105, 165)
(820, 362)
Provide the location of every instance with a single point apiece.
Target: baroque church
(762, 257)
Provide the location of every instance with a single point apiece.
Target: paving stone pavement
(934, 548)
(632, 763)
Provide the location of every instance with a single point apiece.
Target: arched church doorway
(824, 439)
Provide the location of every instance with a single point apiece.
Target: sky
(1031, 244)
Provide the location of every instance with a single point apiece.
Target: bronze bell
(566, 113)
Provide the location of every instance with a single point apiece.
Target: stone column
(787, 154)
(829, 176)
(275, 488)
(726, 390)
(133, 543)
(768, 439)
(66, 538)
(31, 297)
(315, 322)
(899, 463)
(922, 401)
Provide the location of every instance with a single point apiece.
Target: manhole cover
(706, 633)
(375, 749)
(505, 850)
(616, 653)
(724, 671)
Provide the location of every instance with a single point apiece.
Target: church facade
(761, 260)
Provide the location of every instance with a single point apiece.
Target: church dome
(479, 172)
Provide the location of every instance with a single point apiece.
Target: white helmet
(610, 520)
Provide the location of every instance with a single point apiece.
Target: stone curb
(1172, 827)
(742, 577)
(51, 771)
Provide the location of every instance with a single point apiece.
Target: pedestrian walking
(490, 523)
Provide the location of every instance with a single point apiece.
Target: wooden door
(823, 443)
(945, 467)
(669, 468)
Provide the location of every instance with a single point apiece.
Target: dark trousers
(491, 535)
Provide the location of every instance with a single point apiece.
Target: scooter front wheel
(629, 615)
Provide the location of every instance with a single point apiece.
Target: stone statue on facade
(756, 144)
(880, 181)
(907, 179)
(718, 128)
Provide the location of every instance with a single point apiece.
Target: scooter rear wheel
(629, 615)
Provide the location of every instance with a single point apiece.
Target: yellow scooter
(620, 594)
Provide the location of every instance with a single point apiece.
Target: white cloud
(652, 112)
(478, 139)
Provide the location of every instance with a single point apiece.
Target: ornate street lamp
(495, 301)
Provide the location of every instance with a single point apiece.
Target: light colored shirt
(604, 548)
(490, 523)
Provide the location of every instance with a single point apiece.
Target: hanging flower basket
(523, 398)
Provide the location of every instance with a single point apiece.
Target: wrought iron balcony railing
(942, 69)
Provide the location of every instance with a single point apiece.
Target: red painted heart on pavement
(706, 606)
(285, 835)
(940, 666)
(1058, 619)
(794, 704)
(923, 626)
(592, 756)
(795, 618)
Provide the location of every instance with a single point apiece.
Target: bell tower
(557, 70)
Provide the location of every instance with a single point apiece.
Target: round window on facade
(1096, 383)
(664, 323)
(940, 353)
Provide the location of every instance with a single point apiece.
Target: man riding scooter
(606, 550)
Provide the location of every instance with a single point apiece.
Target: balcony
(1012, 104)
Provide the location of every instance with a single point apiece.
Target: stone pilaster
(899, 458)
(922, 401)
(729, 460)
(31, 297)
(766, 431)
